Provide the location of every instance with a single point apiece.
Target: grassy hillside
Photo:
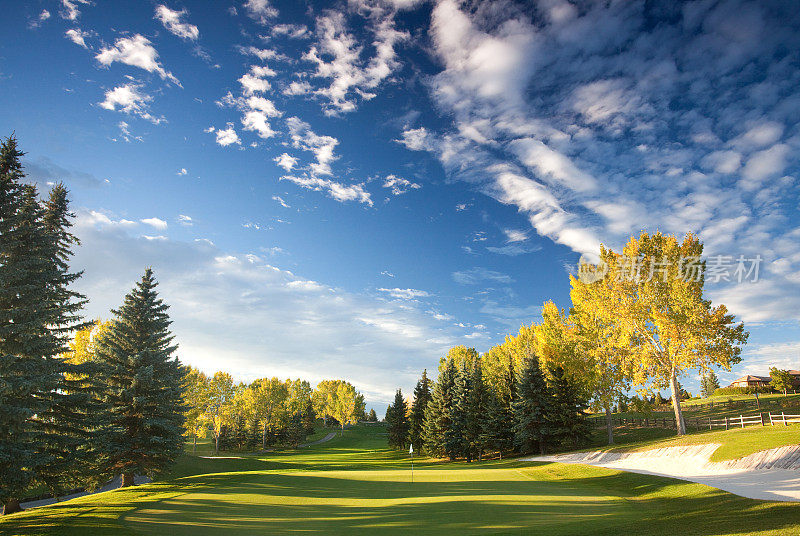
(735, 443)
(353, 484)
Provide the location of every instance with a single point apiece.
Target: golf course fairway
(355, 484)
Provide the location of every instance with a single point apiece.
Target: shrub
(742, 390)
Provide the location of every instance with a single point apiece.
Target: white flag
(411, 448)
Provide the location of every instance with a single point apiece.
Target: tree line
(265, 412)
(622, 331)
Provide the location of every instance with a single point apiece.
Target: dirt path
(114, 484)
(769, 475)
(318, 441)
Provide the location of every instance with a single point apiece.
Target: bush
(742, 390)
(641, 406)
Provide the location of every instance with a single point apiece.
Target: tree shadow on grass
(608, 502)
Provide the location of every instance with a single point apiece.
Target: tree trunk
(127, 480)
(11, 506)
(325, 421)
(216, 444)
(680, 425)
(609, 425)
(264, 436)
(194, 447)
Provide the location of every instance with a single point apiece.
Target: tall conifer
(422, 396)
(437, 413)
(398, 421)
(533, 403)
(143, 434)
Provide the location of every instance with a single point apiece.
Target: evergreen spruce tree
(143, 434)
(474, 433)
(398, 421)
(568, 423)
(40, 435)
(708, 383)
(70, 441)
(422, 396)
(437, 413)
(24, 374)
(531, 407)
(372, 417)
(455, 435)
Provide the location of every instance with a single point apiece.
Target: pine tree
(476, 414)
(22, 361)
(437, 413)
(397, 419)
(71, 418)
(422, 396)
(43, 417)
(533, 403)
(143, 434)
(708, 383)
(455, 435)
(372, 417)
(567, 419)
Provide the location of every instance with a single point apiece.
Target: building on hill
(751, 381)
(763, 381)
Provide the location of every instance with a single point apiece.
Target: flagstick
(411, 451)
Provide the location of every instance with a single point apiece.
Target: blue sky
(348, 189)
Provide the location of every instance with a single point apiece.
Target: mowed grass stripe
(354, 484)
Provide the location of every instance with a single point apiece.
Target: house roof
(750, 378)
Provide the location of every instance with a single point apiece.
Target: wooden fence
(762, 419)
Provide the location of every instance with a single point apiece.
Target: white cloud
(297, 88)
(321, 146)
(77, 36)
(515, 235)
(43, 16)
(185, 220)
(764, 164)
(253, 81)
(131, 100)
(260, 53)
(260, 10)
(285, 161)
(405, 293)
(155, 223)
(70, 10)
(415, 139)
(182, 171)
(399, 185)
(228, 136)
(256, 121)
(293, 31)
(125, 133)
(338, 191)
(349, 74)
(473, 276)
(270, 313)
(171, 20)
(513, 250)
(280, 200)
(138, 52)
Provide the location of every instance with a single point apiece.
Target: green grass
(354, 484)
(734, 443)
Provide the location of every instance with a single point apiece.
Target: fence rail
(741, 421)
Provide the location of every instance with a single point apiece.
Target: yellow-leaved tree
(603, 346)
(653, 294)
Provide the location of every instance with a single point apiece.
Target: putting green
(353, 484)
